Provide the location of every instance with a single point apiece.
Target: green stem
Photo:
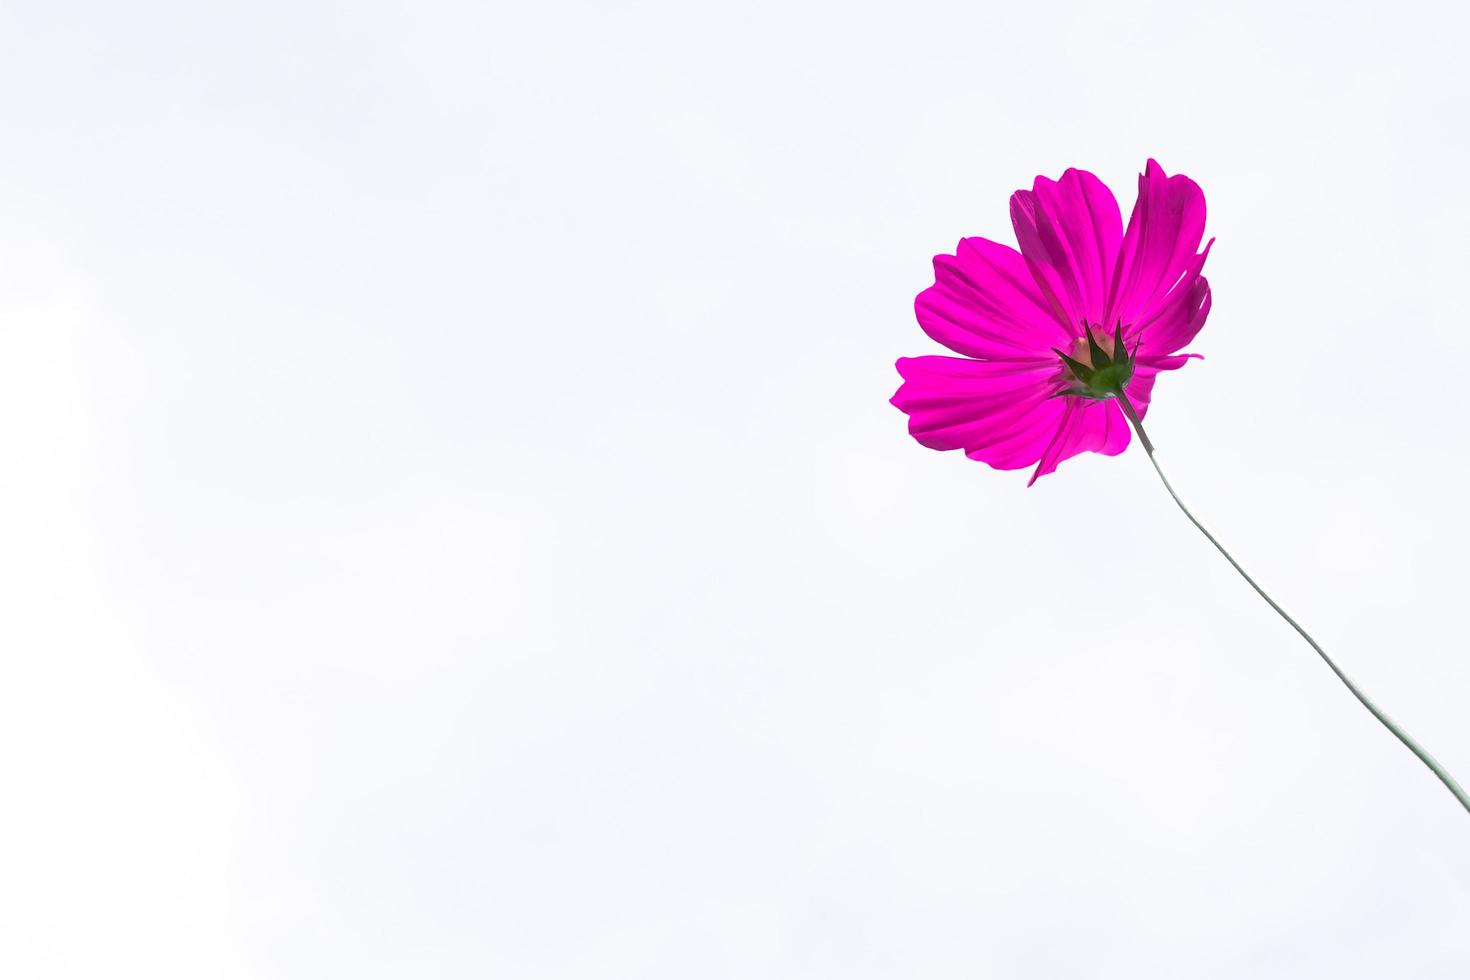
(1387, 722)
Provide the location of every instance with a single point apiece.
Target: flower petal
(1070, 231)
(984, 303)
(1087, 426)
(1159, 247)
(1176, 320)
(999, 412)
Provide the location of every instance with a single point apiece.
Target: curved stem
(1377, 712)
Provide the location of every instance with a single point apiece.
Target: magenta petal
(1159, 247)
(1069, 231)
(998, 412)
(1179, 317)
(1087, 426)
(985, 303)
(1116, 431)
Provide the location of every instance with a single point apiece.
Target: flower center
(1096, 368)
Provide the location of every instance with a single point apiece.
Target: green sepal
(1106, 376)
(1100, 357)
(1079, 370)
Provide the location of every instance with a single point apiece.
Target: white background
(452, 524)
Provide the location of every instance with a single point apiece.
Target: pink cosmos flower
(1041, 329)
